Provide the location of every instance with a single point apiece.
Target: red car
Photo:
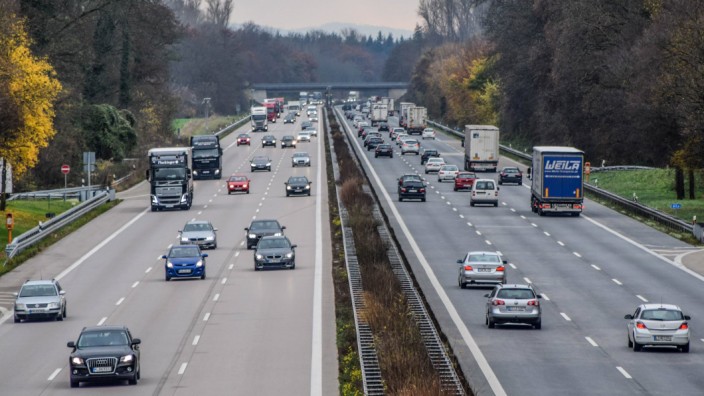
(243, 139)
(238, 183)
(465, 180)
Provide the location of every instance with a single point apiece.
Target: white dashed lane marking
(623, 372)
(616, 281)
(589, 340)
(564, 315)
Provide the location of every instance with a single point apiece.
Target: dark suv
(427, 153)
(510, 174)
(261, 228)
(411, 187)
(383, 126)
(104, 353)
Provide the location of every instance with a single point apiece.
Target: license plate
(184, 271)
(411, 190)
(102, 369)
(662, 338)
(298, 190)
(484, 269)
(515, 308)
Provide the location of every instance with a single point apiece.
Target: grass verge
(55, 236)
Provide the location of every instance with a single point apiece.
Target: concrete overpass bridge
(395, 90)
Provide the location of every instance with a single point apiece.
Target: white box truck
(403, 112)
(417, 120)
(380, 113)
(258, 119)
(294, 106)
(481, 147)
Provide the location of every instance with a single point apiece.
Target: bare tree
(187, 11)
(452, 20)
(219, 12)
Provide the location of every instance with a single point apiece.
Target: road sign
(65, 169)
(676, 206)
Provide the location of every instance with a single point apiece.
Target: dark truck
(557, 183)
(170, 183)
(206, 157)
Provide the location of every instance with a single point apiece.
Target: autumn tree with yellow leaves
(28, 89)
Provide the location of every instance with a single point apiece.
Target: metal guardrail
(232, 126)
(72, 192)
(635, 207)
(30, 237)
(439, 358)
(372, 382)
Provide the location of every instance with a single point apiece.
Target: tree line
(109, 76)
(620, 80)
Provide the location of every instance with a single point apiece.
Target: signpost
(676, 206)
(65, 169)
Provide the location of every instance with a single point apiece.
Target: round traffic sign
(65, 169)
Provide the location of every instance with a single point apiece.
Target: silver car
(513, 304)
(410, 146)
(304, 136)
(658, 325)
(199, 232)
(447, 172)
(40, 299)
(300, 159)
(481, 268)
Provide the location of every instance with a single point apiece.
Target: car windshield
(484, 185)
(260, 159)
(102, 338)
(243, 136)
(483, 258)
(238, 179)
(297, 180)
(287, 138)
(384, 146)
(464, 175)
(412, 179)
(258, 117)
(511, 170)
(434, 160)
(300, 155)
(38, 291)
(516, 294)
(269, 137)
(661, 314)
(450, 168)
(197, 227)
(184, 252)
(273, 243)
(263, 225)
(205, 153)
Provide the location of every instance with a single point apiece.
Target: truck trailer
(481, 147)
(557, 180)
(170, 182)
(206, 157)
(403, 112)
(417, 120)
(379, 113)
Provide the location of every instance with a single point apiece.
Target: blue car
(184, 261)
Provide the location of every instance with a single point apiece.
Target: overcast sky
(297, 14)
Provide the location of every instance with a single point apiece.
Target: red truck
(271, 111)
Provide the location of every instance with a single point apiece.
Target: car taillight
(468, 268)
(640, 325)
(534, 302)
(498, 302)
(500, 268)
(422, 190)
(684, 326)
(403, 189)
(503, 174)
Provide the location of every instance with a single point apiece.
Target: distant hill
(337, 27)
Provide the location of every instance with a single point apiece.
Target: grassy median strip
(405, 366)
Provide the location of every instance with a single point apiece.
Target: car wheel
(685, 348)
(247, 191)
(133, 380)
(636, 346)
(496, 204)
(630, 344)
(376, 156)
(203, 276)
(309, 194)
(391, 156)
(269, 169)
(422, 199)
(167, 278)
(501, 183)
(17, 320)
(491, 324)
(293, 266)
(462, 284)
(471, 204)
(400, 198)
(417, 153)
(538, 325)
(256, 268)
(455, 188)
(229, 192)
(73, 384)
(60, 317)
(287, 194)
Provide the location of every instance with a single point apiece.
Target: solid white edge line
(623, 372)
(483, 364)
(54, 374)
(195, 340)
(564, 315)
(182, 369)
(316, 359)
(645, 249)
(589, 340)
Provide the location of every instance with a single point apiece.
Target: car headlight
(289, 255)
(169, 264)
(20, 307)
(252, 165)
(252, 236)
(307, 187)
(53, 305)
(210, 238)
(127, 359)
(195, 173)
(268, 164)
(258, 256)
(76, 361)
(288, 187)
(199, 263)
(277, 234)
(184, 239)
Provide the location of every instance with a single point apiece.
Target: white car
(395, 131)
(303, 136)
(428, 133)
(410, 146)
(658, 325)
(434, 164)
(447, 172)
(484, 191)
(400, 137)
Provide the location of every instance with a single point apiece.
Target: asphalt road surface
(238, 332)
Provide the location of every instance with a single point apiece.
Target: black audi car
(288, 141)
(261, 228)
(260, 162)
(383, 150)
(104, 353)
(268, 140)
(275, 252)
(298, 185)
(411, 186)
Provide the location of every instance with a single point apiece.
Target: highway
(238, 332)
(591, 271)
